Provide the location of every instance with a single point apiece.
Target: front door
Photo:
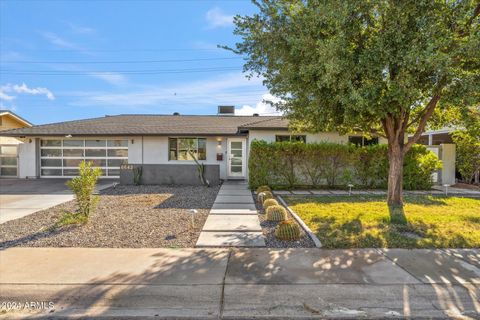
(236, 158)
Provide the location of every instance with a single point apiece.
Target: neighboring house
(441, 143)
(9, 145)
(160, 143)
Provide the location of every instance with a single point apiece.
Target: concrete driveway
(20, 197)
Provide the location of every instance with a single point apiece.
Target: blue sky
(64, 60)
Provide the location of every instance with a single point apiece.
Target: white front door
(236, 157)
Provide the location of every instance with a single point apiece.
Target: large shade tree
(382, 67)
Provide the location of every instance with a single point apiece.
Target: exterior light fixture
(133, 141)
(219, 143)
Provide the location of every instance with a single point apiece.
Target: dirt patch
(126, 217)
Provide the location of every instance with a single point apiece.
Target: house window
(291, 138)
(187, 148)
(362, 141)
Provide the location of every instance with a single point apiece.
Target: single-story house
(9, 145)
(159, 143)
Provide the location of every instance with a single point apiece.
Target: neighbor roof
(145, 124)
(16, 116)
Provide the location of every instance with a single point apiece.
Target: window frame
(365, 141)
(303, 137)
(177, 149)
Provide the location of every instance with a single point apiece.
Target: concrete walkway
(240, 283)
(233, 220)
(437, 191)
(22, 197)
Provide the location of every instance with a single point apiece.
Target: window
(362, 141)
(291, 138)
(62, 157)
(183, 148)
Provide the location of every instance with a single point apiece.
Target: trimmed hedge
(291, 164)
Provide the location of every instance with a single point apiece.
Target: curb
(312, 235)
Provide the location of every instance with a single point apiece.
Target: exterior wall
(154, 150)
(7, 123)
(28, 159)
(172, 174)
(446, 153)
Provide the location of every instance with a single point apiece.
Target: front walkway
(233, 220)
(243, 283)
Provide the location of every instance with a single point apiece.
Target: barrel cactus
(276, 213)
(263, 188)
(264, 195)
(287, 230)
(269, 202)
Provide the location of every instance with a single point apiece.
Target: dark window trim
(297, 137)
(364, 142)
(176, 148)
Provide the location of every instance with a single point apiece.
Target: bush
(276, 213)
(286, 165)
(287, 230)
(468, 154)
(263, 188)
(83, 188)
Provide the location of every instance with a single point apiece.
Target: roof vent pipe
(176, 114)
(255, 114)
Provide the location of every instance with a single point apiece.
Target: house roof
(16, 117)
(145, 124)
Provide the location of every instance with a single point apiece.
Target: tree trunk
(395, 181)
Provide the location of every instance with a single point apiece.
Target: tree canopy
(351, 64)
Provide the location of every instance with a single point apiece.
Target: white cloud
(110, 77)
(23, 89)
(80, 29)
(262, 107)
(58, 41)
(217, 18)
(226, 89)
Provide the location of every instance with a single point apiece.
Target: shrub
(285, 164)
(262, 196)
(263, 188)
(276, 213)
(468, 154)
(269, 202)
(287, 230)
(83, 187)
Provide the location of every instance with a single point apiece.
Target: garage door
(8, 161)
(61, 157)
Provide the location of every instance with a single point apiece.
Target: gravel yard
(126, 217)
(268, 229)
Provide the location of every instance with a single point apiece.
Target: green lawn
(364, 221)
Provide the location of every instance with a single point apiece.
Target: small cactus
(263, 188)
(287, 230)
(264, 195)
(269, 202)
(276, 213)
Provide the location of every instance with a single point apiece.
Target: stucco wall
(154, 150)
(448, 160)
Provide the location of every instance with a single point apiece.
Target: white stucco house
(157, 143)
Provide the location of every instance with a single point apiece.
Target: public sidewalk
(240, 283)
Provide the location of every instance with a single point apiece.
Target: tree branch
(423, 121)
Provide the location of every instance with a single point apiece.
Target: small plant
(137, 175)
(263, 188)
(287, 230)
(69, 218)
(264, 195)
(276, 213)
(83, 187)
(269, 202)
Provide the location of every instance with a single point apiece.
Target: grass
(364, 221)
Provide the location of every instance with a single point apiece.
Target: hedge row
(290, 164)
